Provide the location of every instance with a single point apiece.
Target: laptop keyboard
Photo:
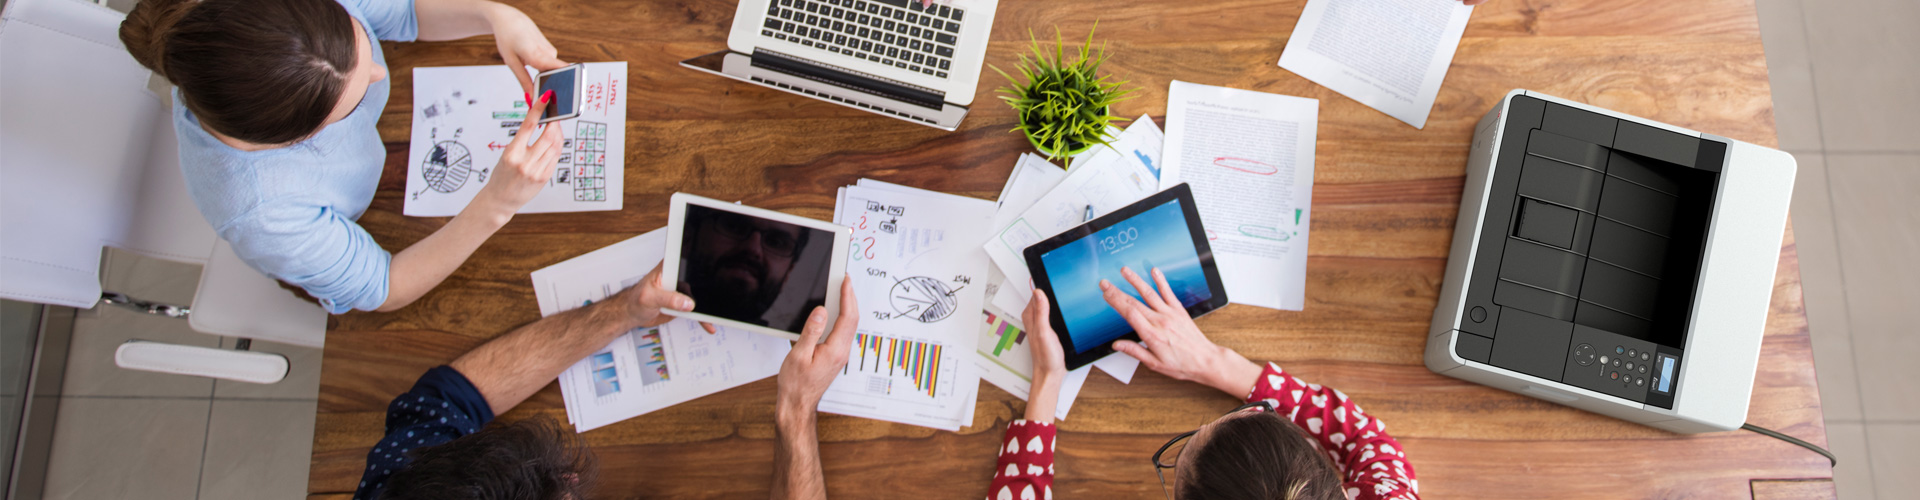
(898, 33)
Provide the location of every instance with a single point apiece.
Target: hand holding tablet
(1162, 232)
(754, 269)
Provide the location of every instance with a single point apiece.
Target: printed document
(646, 369)
(1248, 157)
(464, 116)
(1104, 180)
(1388, 54)
(920, 277)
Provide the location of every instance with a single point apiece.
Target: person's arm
(1024, 467)
(804, 377)
(1170, 343)
(521, 174)
(510, 368)
(519, 39)
(1373, 463)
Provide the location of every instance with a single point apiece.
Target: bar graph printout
(645, 369)
(919, 272)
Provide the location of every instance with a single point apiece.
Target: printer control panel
(1622, 366)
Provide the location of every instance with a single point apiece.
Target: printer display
(1612, 263)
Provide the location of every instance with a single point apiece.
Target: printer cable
(1783, 437)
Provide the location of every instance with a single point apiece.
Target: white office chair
(88, 160)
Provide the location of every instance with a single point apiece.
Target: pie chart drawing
(922, 299)
(447, 166)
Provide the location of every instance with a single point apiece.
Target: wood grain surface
(1385, 198)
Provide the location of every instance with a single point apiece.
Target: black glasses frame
(1159, 469)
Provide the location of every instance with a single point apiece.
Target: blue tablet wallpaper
(1157, 237)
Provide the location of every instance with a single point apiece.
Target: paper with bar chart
(645, 369)
(919, 274)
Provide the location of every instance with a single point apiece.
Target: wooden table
(1385, 198)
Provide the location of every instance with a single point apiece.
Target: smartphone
(565, 84)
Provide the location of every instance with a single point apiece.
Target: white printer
(1612, 263)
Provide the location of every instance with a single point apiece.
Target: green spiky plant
(1064, 105)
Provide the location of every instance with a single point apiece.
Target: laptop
(895, 58)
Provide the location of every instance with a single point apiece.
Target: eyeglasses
(1159, 468)
(772, 239)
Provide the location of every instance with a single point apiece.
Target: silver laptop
(891, 57)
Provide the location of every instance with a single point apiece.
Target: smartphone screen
(562, 84)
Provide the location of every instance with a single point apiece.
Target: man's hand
(812, 365)
(1169, 341)
(804, 378)
(1049, 360)
(645, 300)
(523, 171)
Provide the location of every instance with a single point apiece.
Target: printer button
(1613, 375)
(1619, 350)
(1479, 314)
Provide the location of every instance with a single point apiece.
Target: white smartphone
(566, 86)
(753, 269)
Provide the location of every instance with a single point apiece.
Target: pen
(1089, 215)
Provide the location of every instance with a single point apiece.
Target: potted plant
(1064, 104)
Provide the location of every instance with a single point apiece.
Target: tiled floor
(1844, 100)
(128, 434)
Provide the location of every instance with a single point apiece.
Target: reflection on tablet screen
(1157, 237)
(753, 270)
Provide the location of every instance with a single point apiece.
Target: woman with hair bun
(275, 103)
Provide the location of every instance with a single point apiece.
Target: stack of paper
(648, 368)
(920, 277)
(1387, 54)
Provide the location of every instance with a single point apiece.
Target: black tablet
(1160, 231)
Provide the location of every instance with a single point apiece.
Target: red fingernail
(546, 97)
(527, 96)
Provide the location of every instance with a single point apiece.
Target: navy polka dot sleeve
(441, 407)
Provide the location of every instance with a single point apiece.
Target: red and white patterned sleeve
(1372, 462)
(1025, 467)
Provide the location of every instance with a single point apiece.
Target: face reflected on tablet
(738, 267)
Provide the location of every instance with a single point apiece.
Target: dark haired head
(532, 459)
(261, 71)
(1255, 456)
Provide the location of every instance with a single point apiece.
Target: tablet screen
(753, 270)
(1157, 237)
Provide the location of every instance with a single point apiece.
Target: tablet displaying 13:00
(1161, 231)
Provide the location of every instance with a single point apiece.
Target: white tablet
(751, 268)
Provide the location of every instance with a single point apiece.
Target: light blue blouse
(290, 212)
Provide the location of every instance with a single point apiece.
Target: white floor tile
(1853, 478)
(303, 374)
(90, 368)
(258, 449)
(1895, 451)
(116, 448)
(1864, 66)
(1783, 33)
(1878, 230)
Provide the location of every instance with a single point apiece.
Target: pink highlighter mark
(1246, 165)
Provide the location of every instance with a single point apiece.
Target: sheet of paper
(1249, 158)
(645, 369)
(463, 116)
(1390, 55)
(918, 272)
(1006, 361)
(1033, 176)
(1106, 179)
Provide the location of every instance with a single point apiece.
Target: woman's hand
(1049, 360)
(1169, 341)
(523, 170)
(522, 44)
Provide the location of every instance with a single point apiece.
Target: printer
(1612, 263)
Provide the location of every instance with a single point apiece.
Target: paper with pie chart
(465, 116)
(919, 273)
